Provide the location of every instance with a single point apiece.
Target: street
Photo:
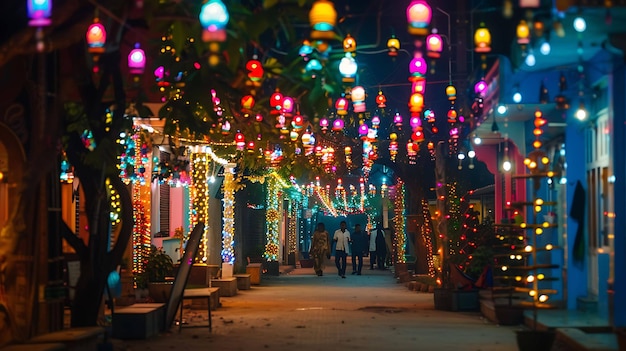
(301, 311)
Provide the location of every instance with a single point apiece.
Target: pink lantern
(418, 16)
(434, 45)
(342, 106)
(136, 60)
(415, 122)
(397, 120)
(363, 129)
(324, 124)
(480, 88)
(418, 67)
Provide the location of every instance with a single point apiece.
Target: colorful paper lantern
(214, 18)
(322, 18)
(136, 60)
(39, 12)
(418, 15)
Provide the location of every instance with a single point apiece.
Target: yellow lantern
(523, 33)
(451, 92)
(393, 44)
(482, 40)
(323, 18)
(349, 44)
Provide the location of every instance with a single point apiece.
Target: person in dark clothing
(360, 244)
(381, 248)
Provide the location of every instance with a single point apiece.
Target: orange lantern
(482, 39)
(381, 100)
(416, 103)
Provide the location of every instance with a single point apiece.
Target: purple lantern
(480, 88)
(39, 12)
(375, 121)
(363, 129)
(397, 120)
(136, 60)
(415, 122)
(338, 125)
(418, 67)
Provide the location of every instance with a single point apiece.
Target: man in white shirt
(342, 245)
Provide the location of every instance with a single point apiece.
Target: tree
(92, 107)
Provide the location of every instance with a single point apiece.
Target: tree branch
(74, 240)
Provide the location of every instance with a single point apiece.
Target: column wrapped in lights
(292, 228)
(398, 223)
(272, 217)
(141, 233)
(199, 194)
(228, 229)
(426, 235)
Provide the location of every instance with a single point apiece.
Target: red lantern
(381, 100)
(247, 102)
(342, 106)
(240, 140)
(255, 70)
(276, 102)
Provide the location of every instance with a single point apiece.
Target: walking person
(381, 248)
(372, 247)
(342, 245)
(320, 248)
(360, 246)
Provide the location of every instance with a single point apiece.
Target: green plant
(158, 265)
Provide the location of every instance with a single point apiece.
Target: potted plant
(158, 274)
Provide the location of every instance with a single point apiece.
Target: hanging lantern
(342, 106)
(255, 70)
(415, 122)
(226, 128)
(39, 12)
(434, 45)
(419, 86)
(363, 130)
(213, 18)
(418, 135)
(293, 135)
(322, 18)
(324, 124)
(418, 15)
(416, 103)
(287, 105)
(276, 102)
(523, 33)
(381, 100)
(247, 102)
(480, 88)
(412, 148)
(482, 39)
(240, 140)
(348, 68)
(338, 125)
(429, 115)
(250, 146)
(349, 44)
(96, 37)
(306, 138)
(452, 115)
(451, 92)
(298, 121)
(358, 99)
(312, 67)
(136, 60)
(417, 68)
(375, 122)
(397, 120)
(393, 44)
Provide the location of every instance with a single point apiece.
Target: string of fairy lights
(141, 233)
(199, 194)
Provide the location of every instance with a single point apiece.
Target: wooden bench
(254, 269)
(35, 347)
(138, 321)
(243, 281)
(193, 294)
(75, 339)
(228, 286)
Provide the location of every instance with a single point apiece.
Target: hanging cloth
(577, 212)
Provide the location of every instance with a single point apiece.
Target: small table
(190, 294)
